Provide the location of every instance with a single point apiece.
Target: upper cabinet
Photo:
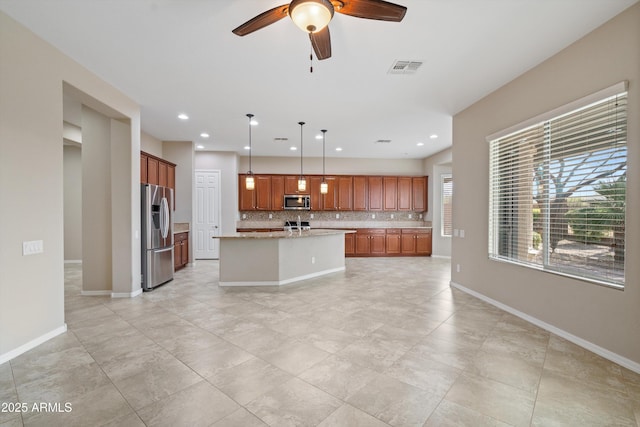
(344, 192)
(154, 170)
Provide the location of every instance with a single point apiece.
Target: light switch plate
(32, 247)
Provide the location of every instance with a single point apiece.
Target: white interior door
(207, 221)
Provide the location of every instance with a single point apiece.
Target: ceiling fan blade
(262, 20)
(371, 9)
(321, 42)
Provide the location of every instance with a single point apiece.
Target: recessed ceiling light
(433, 136)
(253, 122)
(420, 144)
(246, 147)
(293, 148)
(183, 116)
(204, 135)
(318, 136)
(200, 147)
(338, 148)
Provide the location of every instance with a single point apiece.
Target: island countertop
(284, 234)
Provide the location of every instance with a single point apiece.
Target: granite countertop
(337, 224)
(181, 227)
(283, 234)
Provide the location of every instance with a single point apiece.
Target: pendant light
(302, 182)
(249, 182)
(324, 187)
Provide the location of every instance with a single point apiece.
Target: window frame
(499, 191)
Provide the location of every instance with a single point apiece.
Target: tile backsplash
(253, 218)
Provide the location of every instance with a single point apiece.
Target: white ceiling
(179, 56)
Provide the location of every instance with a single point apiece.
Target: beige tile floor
(388, 342)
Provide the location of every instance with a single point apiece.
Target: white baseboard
(95, 293)
(285, 281)
(73, 261)
(441, 256)
(600, 351)
(32, 344)
(126, 294)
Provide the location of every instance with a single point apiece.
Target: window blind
(446, 213)
(558, 193)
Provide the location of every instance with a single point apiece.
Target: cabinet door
(363, 243)
(177, 255)
(162, 174)
(419, 186)
(171, 182)
(246, 198)
(408, 243)
(143, 169)
(316, 198)
(404, 193)
(349, 243)
(291, 185)
(263, 192)
(330, 200)
(277, 192)
(423, 243)
(393, 241)
(360, 196)
(185, 251)
(390, 184)
(345, 193)
(376, 193)
(152, 171)
(377, 245)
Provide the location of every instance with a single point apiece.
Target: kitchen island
(280, 257)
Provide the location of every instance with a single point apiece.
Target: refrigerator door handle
(157, 251)
(164, 217)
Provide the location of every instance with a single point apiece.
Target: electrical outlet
(392, 216)
(373, 216)
(462, 234)
(410, 216)
(420, 216)
(32, 247)
(310, 216)
(337, 216)
(270, 216)
(244, 216)
(457, 268)
(313, 260)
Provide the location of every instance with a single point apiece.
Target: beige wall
(150, 144)
(607, 318)
(435, 166)
(313, 166)
(72, 203)
(34, 77)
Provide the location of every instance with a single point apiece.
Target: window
(558, 192)
(446, 204)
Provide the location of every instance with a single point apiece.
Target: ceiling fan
(313, 16)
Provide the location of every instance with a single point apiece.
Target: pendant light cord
(250, 116)
(301, 124)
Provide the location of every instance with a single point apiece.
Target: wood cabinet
(291, 185)
(370, 241)
(360, 193)
(389, 242)
(416, 241)
(277, 192)
(344, 192)
(392, 241)
(405, 193)
(154, 170)
(419, 193)
(376, 193)
(180, 250)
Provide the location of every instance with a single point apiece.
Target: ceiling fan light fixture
(311, 16)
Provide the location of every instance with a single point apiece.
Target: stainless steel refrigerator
(157, 235)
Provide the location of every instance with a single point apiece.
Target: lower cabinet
(388, 242)
(180, 250)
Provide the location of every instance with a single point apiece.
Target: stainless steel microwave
(297, 202)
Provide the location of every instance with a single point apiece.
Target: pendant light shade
(324, 187)
(302, 182)
(249, 181)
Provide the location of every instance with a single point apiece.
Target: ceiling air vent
(382, 141)
(280, 139)
(405, 67)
